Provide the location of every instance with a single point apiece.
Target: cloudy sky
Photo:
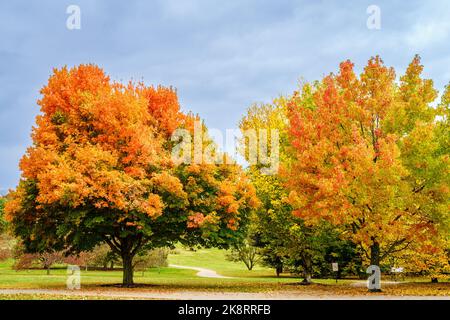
(221, 56)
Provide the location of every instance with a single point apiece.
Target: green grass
(260, 279)
(163, 278)
(10, 278)
(215, 259)
(166, 278)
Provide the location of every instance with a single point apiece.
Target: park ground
(181, 283)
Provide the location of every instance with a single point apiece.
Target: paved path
(202, 272)
(363, 283)
(203, 295)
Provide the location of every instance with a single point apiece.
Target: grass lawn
(215, 259)
(168, 279)
(163, 278)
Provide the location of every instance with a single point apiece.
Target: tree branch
(114, 248)
(139, 245)
(391, 248)
(417, 190)
(365, 251)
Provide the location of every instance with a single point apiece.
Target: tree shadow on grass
(133, 286)
(302, 283)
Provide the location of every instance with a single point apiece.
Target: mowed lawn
(215, 259)
(168, 279)
(163, 278)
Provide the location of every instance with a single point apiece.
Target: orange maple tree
(365, 157)
(100, 170)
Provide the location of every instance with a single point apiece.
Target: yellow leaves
(220, 193)
(14, 203)
(358, 144)
(225, 200)
(207, 223)
(165, 182)
(254, 202)
(226, 194)
(58, 184)
(296, 200)
(194, 169)
(135, 172)
(427, 257)
(233, 208)
(153, 207)
(36, 159)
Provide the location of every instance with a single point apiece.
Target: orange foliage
(107, 145)
(94, 143)
(347, 165)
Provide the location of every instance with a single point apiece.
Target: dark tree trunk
(307, 270)
(279, 270)
(48, 270)
(307, 278)
(127, 248)
(127, 261)
(375, 254)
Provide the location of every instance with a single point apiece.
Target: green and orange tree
(285, 241)
(100, 170)
(368, 155)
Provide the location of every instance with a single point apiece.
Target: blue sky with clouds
(220, 55)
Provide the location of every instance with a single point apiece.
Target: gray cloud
(220, 55)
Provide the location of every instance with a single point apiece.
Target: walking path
(202, 272)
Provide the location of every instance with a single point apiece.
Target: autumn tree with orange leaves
(366, 156)
(100, 170)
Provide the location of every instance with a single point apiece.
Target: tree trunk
(375, 254)
(127, 248)
(307, 270)
(375, 259)
(48, 270)
(279, 270)
(307, 277)
(127, 261)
